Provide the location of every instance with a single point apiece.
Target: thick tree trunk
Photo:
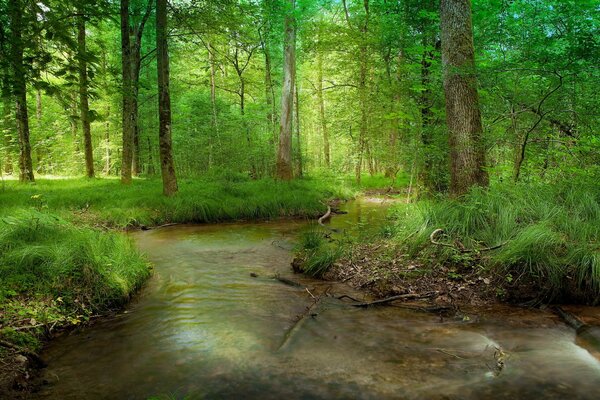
(323, 120)
(284, 154)
(84, 107)
(167, 164)
(20, 92)
(128, 115)
(467, 152)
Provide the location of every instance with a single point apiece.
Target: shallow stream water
(203, 327)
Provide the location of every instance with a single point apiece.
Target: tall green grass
(549, 234)
(199, 200)
(53, 273)
(316, 252)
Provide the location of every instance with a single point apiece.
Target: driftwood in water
(287, 281)
(408, 296)
(300, 320)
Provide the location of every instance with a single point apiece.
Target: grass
(547, 234)
(54, 274)
(316, 252)
(199, 200)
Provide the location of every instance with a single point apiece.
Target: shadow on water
(204, 328)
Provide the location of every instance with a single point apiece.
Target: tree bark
(127, 89)
(167, 164)
(20, 91)
(284, 154)
(323, 119)
(467, 152)
(84, 107)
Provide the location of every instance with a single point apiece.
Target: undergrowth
(545, 234)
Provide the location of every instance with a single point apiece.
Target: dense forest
(284, 88)
(477, 120)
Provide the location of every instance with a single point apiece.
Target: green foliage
(547, 234)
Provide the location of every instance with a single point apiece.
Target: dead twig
(408, 296)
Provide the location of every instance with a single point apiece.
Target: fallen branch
(408, 296)
(299, 322)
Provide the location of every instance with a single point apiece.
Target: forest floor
(383, 272)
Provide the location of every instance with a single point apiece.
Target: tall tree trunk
(84, 107)
(20, 91)
(127, 89)
(467, 152)
(297, 128)
(284, 154)
(167, 165)
(323, 120)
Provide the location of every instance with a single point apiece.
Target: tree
(131, 44)
(167, 165)
(284, 154)
(83, 97)
(19, 89)
(467, 152)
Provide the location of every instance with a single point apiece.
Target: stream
(204, 328)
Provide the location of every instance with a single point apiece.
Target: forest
(445, 152)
